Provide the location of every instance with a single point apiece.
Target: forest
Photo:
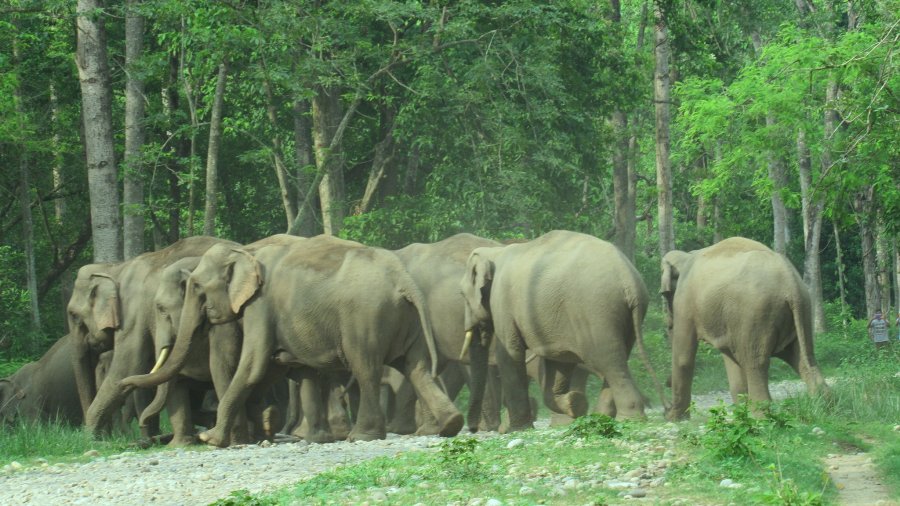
(655, 125)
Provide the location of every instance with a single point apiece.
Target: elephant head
(10, 398)
(215, 293)
(168, 302)
(674, 264)
(476, 289)
(93, 313)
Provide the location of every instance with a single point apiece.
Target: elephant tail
(801, 308)
(413, 294)
(637, 318)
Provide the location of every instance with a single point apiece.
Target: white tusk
(530, 357)
(163, 355)
(466, 344)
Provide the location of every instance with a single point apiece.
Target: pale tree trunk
(326, 116)
(661, 99)
(896, 276)
(170, 104)
(287, 200)
(93, 72)
(863, 207)
(305, 159)
(839, 260)
(212, 152)
(411, 178)
(195, 127)
(133, 192)
(24, 197)
(384, 155)
(812, 232)
(59, 202)
(624, 203)
(883, 260)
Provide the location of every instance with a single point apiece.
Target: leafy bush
(594, 425)
(458, 456)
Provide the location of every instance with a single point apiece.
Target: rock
(633, 474)
(620, 485)
(726, 483)
(153, 462)
(91, 453)
(570, 484)
(15, 466)
(636, 493)
(493, 502)
(515, 443)
(896, 428)
(475, 501)
(818, 431)
(526, 490)
(379, 496)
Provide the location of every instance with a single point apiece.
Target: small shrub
(458, 457)
(783, 491)
(726, 438)
(244, 498)
(594, 425)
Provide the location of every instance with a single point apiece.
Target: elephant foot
(340, 429)
(428, 429)
(402, 428)
(574, 404)
(488, 427)
(506, 429)
(560, 420)
(365, 436)
(319, 436)
(677, 415)
(181, 441)
(452, 425)
(213, 437)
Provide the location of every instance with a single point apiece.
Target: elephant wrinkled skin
(749, 303)
(322, 303)
(567, 297)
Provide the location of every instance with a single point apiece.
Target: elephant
(44, 390)
(749, 303)
(112, 308)
(322, 303)
(435, 268)
(569, 298)
(213, 362)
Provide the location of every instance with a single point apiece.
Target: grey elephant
(749, 303)
(323, 303)
(112, 308)
(44, 390)
(436, 269)
(569, 298)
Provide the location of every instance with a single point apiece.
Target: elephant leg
(758, 385)
(178, 404)
(490, 411)
(684, 354)
(514, 379)
(606, 404)
(225, 352)
(251, 371)
(449, 419)
(294, 411)
(737, 381)
(810, 374)
(140, 399)
(312, 400)
(403, 415)
(370, 424)
(556, 389)
(451, 381)
(338, 415)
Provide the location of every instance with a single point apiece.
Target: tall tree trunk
(93, 72)
(133, 192)
(195, 127)
(326, 117)
(59, 202)
(661, 87)
(625, 206)
(305, 159)
(384, 154)
(896, 276)
(24, 197)
(411, 178)
(811, 202)
(839, 260)
(287, 200)
(171, 104)
(212, 152)
(883, 263)
(864, 213)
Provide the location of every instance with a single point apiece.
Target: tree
(661, 103)
(133, 192)
(93, 70)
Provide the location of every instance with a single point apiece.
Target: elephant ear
(483, 277)
(243, 278)
(105, 306)
(183, 276)
(670, 273)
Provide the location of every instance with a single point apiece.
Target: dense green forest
(656, 125)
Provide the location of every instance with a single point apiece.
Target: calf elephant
(322, 303)
(569, 298)
(112, 308)
(749, 303)
(43, 390)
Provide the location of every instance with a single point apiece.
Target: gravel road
(191, 477)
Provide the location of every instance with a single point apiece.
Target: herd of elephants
(313, 336)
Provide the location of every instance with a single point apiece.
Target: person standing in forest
(878, 330)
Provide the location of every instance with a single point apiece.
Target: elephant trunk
(156, 405)
(478, 366)
(84, 372)
(637, 317)
(192, 319)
